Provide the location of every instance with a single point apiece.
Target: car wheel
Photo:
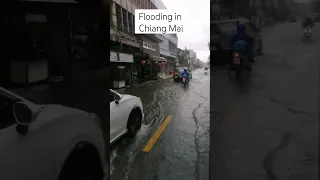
(83, 164)
(134, 122)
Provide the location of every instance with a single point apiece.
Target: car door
(117, 111)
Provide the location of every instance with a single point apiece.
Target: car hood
(50, 112)
(125, 97)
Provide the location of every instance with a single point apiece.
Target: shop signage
(121, 57)
(121, 67)
(128, 58)
(129, 40)
(113, 56)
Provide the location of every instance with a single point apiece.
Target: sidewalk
(168, 76)
(125, 90)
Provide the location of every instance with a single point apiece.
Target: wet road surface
(266, 128)
(182, 150)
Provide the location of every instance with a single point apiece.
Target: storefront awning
(157, 58)
(141, 56)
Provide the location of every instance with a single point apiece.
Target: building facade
(168, 50)
(145, 48)
(193, 57)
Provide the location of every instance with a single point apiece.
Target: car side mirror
(24, 115)
(117, 98)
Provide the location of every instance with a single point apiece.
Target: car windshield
(229, 27)
(180, 70)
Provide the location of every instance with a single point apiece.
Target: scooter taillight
(183, 79)
(236, 55)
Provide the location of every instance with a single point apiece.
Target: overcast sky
(196, 34)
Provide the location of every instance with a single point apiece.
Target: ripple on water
(113, 155)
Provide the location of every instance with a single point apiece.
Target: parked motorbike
(307, 33)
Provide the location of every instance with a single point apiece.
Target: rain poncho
(239, 40)
(185, 74)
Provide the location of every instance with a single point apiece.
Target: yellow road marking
(156, 135)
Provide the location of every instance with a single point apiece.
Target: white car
(126, 114)
(50, 142)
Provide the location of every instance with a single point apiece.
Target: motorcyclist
(244, 40)
(185, 74)
(307, 22)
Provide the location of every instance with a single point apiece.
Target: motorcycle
(205, 72)
(184, 82)
(237, 64)
(307, 33)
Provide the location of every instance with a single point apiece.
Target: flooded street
(182, 150)
(267, 126)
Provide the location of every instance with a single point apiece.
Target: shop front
(121, 69)
(171, 63)
(159, 66)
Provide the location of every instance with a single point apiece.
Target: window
(80, 33)
(149, 4)
(227, 27)
(172, 46)
(37, 38)
(130, 23)
(133, 24)
(119, 17)
(125, 20)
